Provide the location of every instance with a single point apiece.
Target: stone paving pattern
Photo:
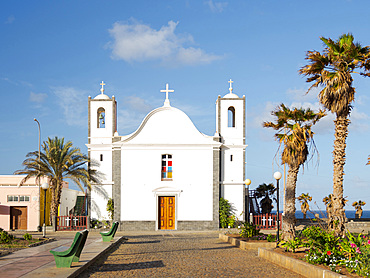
(182, 254)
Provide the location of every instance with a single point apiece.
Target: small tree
(329, 205)
(266, 192)
(358, 206)
(110, 208)
(304, 199)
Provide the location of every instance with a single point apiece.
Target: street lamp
(39, 170)
(44, 186)
(247, 182)
(277, 176)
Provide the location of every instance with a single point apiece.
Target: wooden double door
(18, 218)
(166, 212)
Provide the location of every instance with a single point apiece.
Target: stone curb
(245, 245)
(300, 267)
(97, 257)
(41, 242)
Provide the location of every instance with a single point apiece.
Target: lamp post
(44, 186)
(39, 170)
(247, 182)
(277, 176)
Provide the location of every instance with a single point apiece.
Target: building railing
(71, 223)
(266, 221)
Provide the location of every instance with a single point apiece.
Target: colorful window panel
(166, 167)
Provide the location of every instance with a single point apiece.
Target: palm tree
(58, 161)
(328, 201)
(332, 71)
(358, 206)
(294, 132)
(304, 199)
(266, 192)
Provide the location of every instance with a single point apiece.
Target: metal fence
(71, 223)
(266, 221)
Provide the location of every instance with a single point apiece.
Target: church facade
(167, 174)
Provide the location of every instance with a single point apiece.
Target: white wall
(99, 202)
(192, 175)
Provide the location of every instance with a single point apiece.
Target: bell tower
(230, 125)
(102, 118)
(102, 125)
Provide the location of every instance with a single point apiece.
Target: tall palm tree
(266, 192)
(332, 71)
(294, 132)
(58, 161)
(304, 198)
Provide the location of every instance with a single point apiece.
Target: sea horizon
(322, 214)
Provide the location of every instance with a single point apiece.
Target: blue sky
(54, 54)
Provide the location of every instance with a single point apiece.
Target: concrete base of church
(181, 225)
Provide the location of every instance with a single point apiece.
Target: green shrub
(292, 245)
(27, 236)
(110, 208)
(5, 237)
(224, 212)
(249, 230)
(231, 221)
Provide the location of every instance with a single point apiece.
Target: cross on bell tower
(102, 87)
(231, 85)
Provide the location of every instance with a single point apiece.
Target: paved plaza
(182, 254)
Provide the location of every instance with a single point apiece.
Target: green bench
(108, 236)
(72, 254)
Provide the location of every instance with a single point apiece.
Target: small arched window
(101, 117)
(231, 117)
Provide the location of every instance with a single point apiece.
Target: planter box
(245, 245)
(265, 252)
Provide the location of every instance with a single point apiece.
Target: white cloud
(193, 56)
(138, 104)
(129, 120)
(73, 103)
(264, 115)
(135, 42)
(38, 98)
(301, 94)
(216, 7)
(359, 121)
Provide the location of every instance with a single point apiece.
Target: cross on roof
(167, 101)
(231, 85)
(102, 87)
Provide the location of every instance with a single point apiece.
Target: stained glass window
(166, 167)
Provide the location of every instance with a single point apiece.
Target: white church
(167, 174)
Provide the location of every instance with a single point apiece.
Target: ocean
(349, 214)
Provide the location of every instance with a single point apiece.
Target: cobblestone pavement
(182, 254)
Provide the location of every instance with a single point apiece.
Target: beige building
(22, 207)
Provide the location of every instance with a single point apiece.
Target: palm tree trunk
(337, 215)
(289, 219)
